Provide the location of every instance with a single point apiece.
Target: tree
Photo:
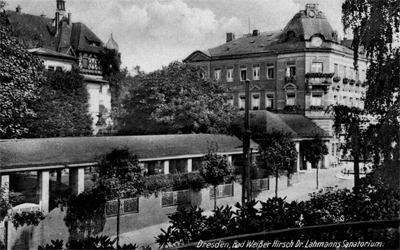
(375, 26)
(216, 170)
(278, 155)
(120, 176)
(67, 92)
(314, 151)
(349, 123)
(20, 78)
(177, 99)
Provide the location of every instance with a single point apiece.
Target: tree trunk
(118, 204)
(276, 184)
(316, 165)
(215, 197)
(356, 173)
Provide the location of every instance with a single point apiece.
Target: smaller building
(61, 43)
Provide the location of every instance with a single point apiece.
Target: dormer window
(290, 35)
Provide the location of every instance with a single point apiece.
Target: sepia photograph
(199, 124)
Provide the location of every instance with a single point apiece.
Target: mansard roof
(306, 27)
(40, 31)
(301, 28)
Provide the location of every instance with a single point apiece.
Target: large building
(61, 43)
(301, 69)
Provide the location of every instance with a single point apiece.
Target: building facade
(302, 69)
(61, 43)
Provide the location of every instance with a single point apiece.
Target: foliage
(110, 61)
(119, 174)
(177, 99)
(97, 242)
(157, 183)
(85, 213)
(336, 79)
(317, 108)
(67, 92)
(319, 75)
(20, 79)
(290, 108)
(328, 206)
(278, 155)
(375, 27)
(349, 122)
(216, 169)
(28, 218)
(5, 204)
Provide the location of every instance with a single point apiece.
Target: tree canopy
(20, 79)
(177, 99)
(63, 107)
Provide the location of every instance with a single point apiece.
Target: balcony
(319, 80)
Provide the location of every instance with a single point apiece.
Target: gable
(197, 56)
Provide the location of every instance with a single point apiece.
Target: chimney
(256, 32)
(57, 22)
(69, 19)
(230, 37)
(18, 9)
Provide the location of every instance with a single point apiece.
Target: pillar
(189, 165)
(230, 159)
(77, 180)
(44, 189)
(59, 173)
(166, 167)
(5, 184)
(297, 144)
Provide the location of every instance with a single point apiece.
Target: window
(290, 99)
(336, 69)
(316, 99)
(243, 73)
(196, 163)
(178, 166)
(291, 71)
(255, 101)
(270, 72)
(335, 99)
(316, 67)
(242, 100)
(229, 75)
(256, 72)
(344, 100)
(344, 72)
(230, 101)
(85, 63)
(269, 101)
(351, 74)
(154, 167)
(351, 101)
(217, 74)
(363, 75)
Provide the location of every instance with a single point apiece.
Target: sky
(153, 33)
